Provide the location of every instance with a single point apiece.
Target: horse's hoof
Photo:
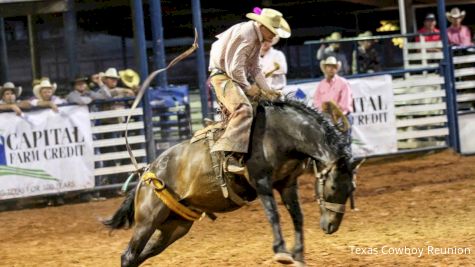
(284, 258)
(299, 264)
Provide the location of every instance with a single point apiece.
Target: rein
(322, 178)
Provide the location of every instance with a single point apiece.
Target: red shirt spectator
(429, 27)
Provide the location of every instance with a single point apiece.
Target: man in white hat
(44, 95)
(274, 65)
(333, 88)
(9, 94)
(365, 57)
(457, 33)
(108, 81)
(233, 58)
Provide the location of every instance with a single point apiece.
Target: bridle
(322, 178)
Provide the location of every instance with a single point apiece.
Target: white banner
(374, 121)
(45, 152)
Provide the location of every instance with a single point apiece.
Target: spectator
(274, 65)
(9, 94)
(334, 88)
(458, 34)
(429, 27)
(130, 79)
(109, 82)
(81, 93)
(44, 93)
(365, 57)
(334, 50)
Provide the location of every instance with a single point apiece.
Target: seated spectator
(333, 50)
(457, 33)
(429, 27)
(81, 93)
(130, 79)
(365, 57)
(274, 65)
(9, 94)
(44, 93)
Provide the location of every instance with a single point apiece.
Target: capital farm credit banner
(45, 152)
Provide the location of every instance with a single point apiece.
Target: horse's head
(334, 184)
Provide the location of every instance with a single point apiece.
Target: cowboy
(234, 57)
(81, 93)
(9, 94)
(334, 88)
(333, 49)
(365, 57)
(457, 33)
(429, 27)
(108, 81)
(130, 79)
(274, 65)
(44, 93)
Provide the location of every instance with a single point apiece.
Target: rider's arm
(237, 65)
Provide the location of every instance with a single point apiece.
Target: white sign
(374, 121)
(45, 152)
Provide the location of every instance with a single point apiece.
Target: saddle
(211, 134)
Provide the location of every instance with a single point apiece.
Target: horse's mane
(334, 137)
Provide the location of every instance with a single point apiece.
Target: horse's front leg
(264, 191)
(290, 198)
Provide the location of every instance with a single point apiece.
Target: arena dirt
(414, 202)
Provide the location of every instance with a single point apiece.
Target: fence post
(158, 41)
(141, 61)
(70, 32)
(450, 93)
(3, 53)
(200, 56)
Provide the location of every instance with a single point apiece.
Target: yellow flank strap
(168, 199)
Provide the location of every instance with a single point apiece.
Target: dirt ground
(423, 202)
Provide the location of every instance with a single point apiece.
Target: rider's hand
(253, 91)
(270, 94)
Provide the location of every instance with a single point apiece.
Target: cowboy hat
(272, 20)
(45, 83)
(334, 37)
(330, 61)
(111, 73)
(455, 13)
(129, 77)
(365, 34)
(80, 78)
(10, 86)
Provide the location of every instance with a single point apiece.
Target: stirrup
(237, 168)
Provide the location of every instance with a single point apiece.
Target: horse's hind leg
(289, 195)
(170, 231)
(147, 220)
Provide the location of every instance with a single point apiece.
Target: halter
(322, 178)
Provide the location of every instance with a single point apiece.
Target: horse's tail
(124, 216)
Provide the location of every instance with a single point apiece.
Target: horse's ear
(356, 164)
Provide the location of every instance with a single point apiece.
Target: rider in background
(234, 57)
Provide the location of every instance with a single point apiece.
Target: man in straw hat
(333, 49)
(365, 57)
(234, 57)
(333, 88)
(457, 33)
(108, 82)
(274, 65)
(9, 94)
(81, 93)
(44, 93)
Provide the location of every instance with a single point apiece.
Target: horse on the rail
(284, 135)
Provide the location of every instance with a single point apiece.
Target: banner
(374, 120)
(45, 152)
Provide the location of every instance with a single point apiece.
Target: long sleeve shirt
(337, 90)
(87, 97)
(459, 36)
(277, 81)
(236, 52)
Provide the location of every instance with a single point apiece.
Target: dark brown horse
(284, 135)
